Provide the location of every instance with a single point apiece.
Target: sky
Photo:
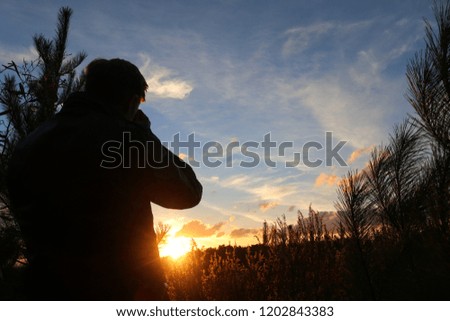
(249, 86)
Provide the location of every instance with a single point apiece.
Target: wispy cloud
(272, 192)
(349, 90)
(240, 181)
(8, 55)
(303, 37)
(267, 189)
(342, 107)
(230, 213)
(300, 38)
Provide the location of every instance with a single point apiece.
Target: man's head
(117, 82)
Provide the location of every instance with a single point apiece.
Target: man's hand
(141, 119)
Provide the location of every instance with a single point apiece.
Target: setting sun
(175, 247)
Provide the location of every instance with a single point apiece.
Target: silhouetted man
(81, 187)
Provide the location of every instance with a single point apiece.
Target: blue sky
(235, 71)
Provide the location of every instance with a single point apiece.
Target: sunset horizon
(298, 141)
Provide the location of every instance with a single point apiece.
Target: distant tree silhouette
(31, 93)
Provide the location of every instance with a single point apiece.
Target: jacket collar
(81, 102)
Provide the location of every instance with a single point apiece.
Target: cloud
(244, 232)
(299, 38)
(344, 111)
(326, 179)
(7, 56)
(238, 181)
(267, 188)
(196, 228)
(267, 205)
(273, 192)
(231, 213)
(161, 83)
(350, 99)
(349, 90)
(358, 153)
(302, 37)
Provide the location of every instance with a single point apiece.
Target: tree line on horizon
(392, 240)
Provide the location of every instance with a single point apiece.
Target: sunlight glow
(175, 247)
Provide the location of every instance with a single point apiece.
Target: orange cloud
(243, 232)
(267, 205)
(325, 179)
(358, 153)
(197, 228)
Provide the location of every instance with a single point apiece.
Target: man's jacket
(81, 187)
